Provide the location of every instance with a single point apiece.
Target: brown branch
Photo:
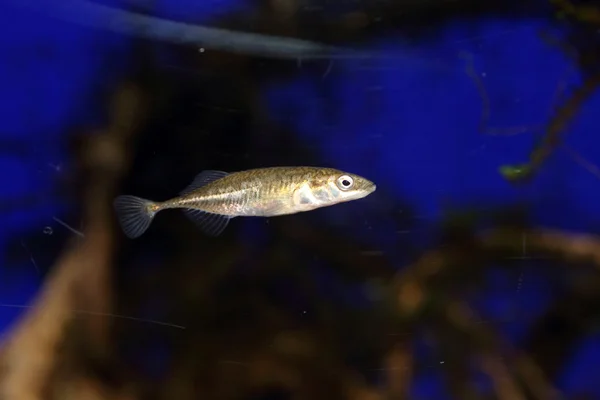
(34, 352)
(489, 344)
(504, 385)
(412, 283)
(413, 286)
(582, 12)
(571, 247)
(485, 103)
(398, 370)
(564, 114)
(553, 135)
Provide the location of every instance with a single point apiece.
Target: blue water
(410, 124)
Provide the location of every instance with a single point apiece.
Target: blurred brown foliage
(234, 338)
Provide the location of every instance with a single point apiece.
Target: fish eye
(345, 182)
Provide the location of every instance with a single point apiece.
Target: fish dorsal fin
(210, 224)
(203, 178)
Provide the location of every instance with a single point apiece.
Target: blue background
(411, 124)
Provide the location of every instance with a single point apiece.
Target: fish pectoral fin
(210, 224)
(203, 178)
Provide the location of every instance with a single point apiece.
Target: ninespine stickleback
(214, 197)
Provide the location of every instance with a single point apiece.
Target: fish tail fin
(134, 214)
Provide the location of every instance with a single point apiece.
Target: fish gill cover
(472, 271)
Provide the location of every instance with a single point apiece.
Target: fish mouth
(365, 191)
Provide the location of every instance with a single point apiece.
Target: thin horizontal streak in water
(372, 253)
(87, 13)
(101, 314)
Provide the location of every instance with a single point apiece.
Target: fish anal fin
(203, 178)
(210, 224)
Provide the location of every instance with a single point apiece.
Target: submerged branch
(484, 125)
(34, 352)
(553, 135)
(583, 12)
(414, 284)
(571, 247)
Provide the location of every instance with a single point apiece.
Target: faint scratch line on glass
(100, 314)
(329, 67)
(524, 250)
(75, 231)
(583, 162)
(372, 253)
(37, 269)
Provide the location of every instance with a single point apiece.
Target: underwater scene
(299, 200)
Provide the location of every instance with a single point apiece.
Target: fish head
(334, 186)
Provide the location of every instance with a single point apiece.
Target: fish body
(214, 197)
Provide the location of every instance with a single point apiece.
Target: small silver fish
(214, 197)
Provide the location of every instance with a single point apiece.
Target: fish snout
(371, 187)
